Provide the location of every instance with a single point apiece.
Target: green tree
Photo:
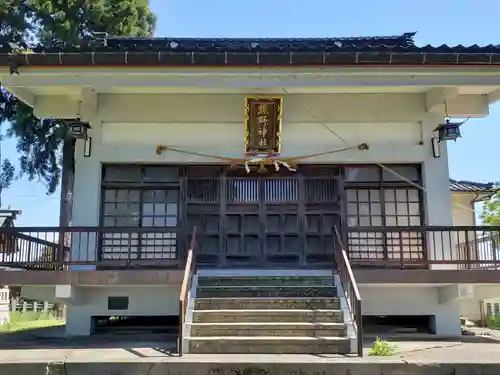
(14, 30)
(14, 16)
(491, 209)
(7, 173)
(46, 153)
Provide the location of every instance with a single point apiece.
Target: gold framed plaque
(263, 123)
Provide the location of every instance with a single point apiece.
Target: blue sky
(473, 157)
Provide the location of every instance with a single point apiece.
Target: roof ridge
(472, 182)
(101, 49)
(250, 38)
(470, 186)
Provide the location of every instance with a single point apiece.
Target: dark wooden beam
(91, 278)
(387, 276)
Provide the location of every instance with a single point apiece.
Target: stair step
(269, 345)
(266, 291)
(267, 280)
(269, 315)
(267, 303)
(269, 329)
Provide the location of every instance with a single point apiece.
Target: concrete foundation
(447, 319)
(163, 300)
(440, 302)
(412, 299)
(231, 368)
(142, 301)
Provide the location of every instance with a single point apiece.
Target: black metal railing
(189, 270)
(52, 248)
(351, 289)
(457, 247)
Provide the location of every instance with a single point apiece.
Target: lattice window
(140, 197)
(203, 190)
(378, 198)
(402, 207)
(139, 208)
(121, 207)
(321, 190)
(364, 208)
(242, 190)
(136, 174)
(281, 190)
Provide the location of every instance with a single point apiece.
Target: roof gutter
(481, 198)
(242, 59)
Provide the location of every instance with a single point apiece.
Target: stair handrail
(351, 290)
(185, 287)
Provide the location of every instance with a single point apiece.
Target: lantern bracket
(449, 130)
(77, 128)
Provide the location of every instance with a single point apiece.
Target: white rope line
(388, 169)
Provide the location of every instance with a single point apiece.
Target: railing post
(189, 270)
(61, 251)
(180, 336)
(468, 254)
(129, 250)
(494, 247)
(401, 252)
(350, 288)
(425, 247)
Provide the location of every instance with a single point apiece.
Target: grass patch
(30, 320)
(493, 322)
(382, 348)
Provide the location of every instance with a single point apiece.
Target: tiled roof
(472, 187)
(401, 43)
(395, 43)
(253, 44)
(101, 50)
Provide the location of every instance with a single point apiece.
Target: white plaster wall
(145, 301)
(39, 293)
(127, 128)
(462, 209)
(463, 215)
(376, 300)
(411, 300)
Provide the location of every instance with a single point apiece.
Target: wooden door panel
(265, 220)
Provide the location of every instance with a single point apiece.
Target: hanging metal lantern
(77, 129)
(449, 131)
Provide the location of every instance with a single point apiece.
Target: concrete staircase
(268, 312)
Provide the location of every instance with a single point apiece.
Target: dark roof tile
(401, 43)
(471, 187)
(101, 50)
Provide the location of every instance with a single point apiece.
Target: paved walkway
(48, 345)
(446, 351)
(117, 354)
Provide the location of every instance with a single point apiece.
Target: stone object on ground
(4, 305)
